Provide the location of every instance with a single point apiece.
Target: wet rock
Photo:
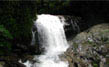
(14, 64)
(90, 48)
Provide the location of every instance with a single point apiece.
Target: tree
(17, 17)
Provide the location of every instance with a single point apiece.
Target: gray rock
(90, 48)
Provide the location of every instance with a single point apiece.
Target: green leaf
(5, 32)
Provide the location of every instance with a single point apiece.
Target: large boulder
(90, 47)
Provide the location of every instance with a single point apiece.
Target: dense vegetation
(16, 21)
(53, 6)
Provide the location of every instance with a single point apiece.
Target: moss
(2, 64)
(95, 65)
(75, 46)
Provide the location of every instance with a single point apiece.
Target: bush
(5, 40)
(16, 18)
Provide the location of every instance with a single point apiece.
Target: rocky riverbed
(87, 49)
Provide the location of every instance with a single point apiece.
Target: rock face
(90, 48)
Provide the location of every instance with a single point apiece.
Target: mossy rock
(2, 64)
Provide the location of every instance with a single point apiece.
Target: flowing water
(53, 41)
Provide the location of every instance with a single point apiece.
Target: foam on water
(52, 38)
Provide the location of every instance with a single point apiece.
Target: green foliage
(16, 21)
(95, 64)
(52, 7)
(5, 37)
(4, 32)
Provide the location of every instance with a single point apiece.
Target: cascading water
(33, 37)
(53, 41)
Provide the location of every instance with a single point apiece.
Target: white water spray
(53, 40)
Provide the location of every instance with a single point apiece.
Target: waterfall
(33, 38)
(52, 40)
